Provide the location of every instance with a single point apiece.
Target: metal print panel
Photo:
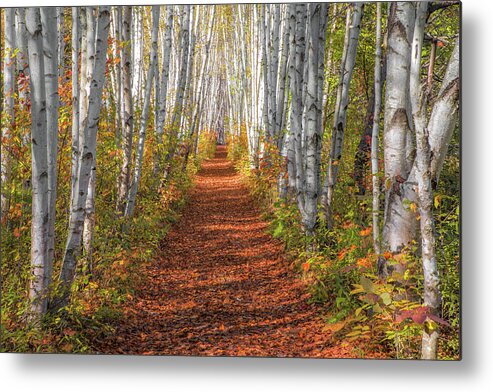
(261, 180)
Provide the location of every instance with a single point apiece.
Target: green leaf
(367, 284)
(377, 308)
(386, 298)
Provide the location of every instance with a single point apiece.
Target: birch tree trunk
(317, 20)
(75, 96)
(127, 114)
(50, 42)
(291, 156)
(282, 75)
(40, 181)
(139, 155)
(163, 91)
(273, 72)
(87, 155)
(419, 103)
(296, 84)
(325, 189)
(22, 59)
(198, 106)
(8, 103)
(117, 23)
(265, 70)
(444, 115)
(90, 213)
(137, 54)
(178, 108)
(281, 106)
(374, 136)
(329, 62)
(60, 26)
(83, 72)
(399, 221)
(341, 113)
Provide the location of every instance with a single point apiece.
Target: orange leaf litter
(222, 286)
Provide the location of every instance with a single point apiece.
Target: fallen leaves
(222, 285)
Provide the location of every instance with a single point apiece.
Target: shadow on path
(222, 286)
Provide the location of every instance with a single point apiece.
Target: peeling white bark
(87, 156)
(50, 42)
(139, 155)
(39, 148)
(341, 109)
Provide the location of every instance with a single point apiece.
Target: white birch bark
(178, 107)
(419, 103)
(90, 212)
(127, 114)
(50, 42)
(198, 105)
(399, 222)
(423, 166)
(444, 115)
(297, 82)
(325, 190)
(317, 19)
(21, 40)
(163, 91)
(291, 156)
(137, 54)
(341, 114)
(22, 59)
(83, 71)
(75, 96)
(86, 157)
(273, 63)
(60, 26)
(139, 155)
(39, 148)
(329, 62)
(8, 104)
(375, 132)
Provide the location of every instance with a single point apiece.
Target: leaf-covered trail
(222, 285)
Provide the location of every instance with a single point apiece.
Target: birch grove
(343, 119)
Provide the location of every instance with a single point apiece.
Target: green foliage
(107, 278)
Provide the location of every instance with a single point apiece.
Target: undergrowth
(340, 270)
(105, 281)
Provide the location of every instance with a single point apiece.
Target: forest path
(222, 285)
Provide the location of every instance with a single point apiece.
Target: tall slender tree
(127, 114)
(139, 156)
(163, 90)
(40, 181)
(8, 104)
(87, 154)
(177, 113)
(50, 51)
(341, 110)
(375, 134)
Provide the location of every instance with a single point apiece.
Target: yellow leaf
(437, 201)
